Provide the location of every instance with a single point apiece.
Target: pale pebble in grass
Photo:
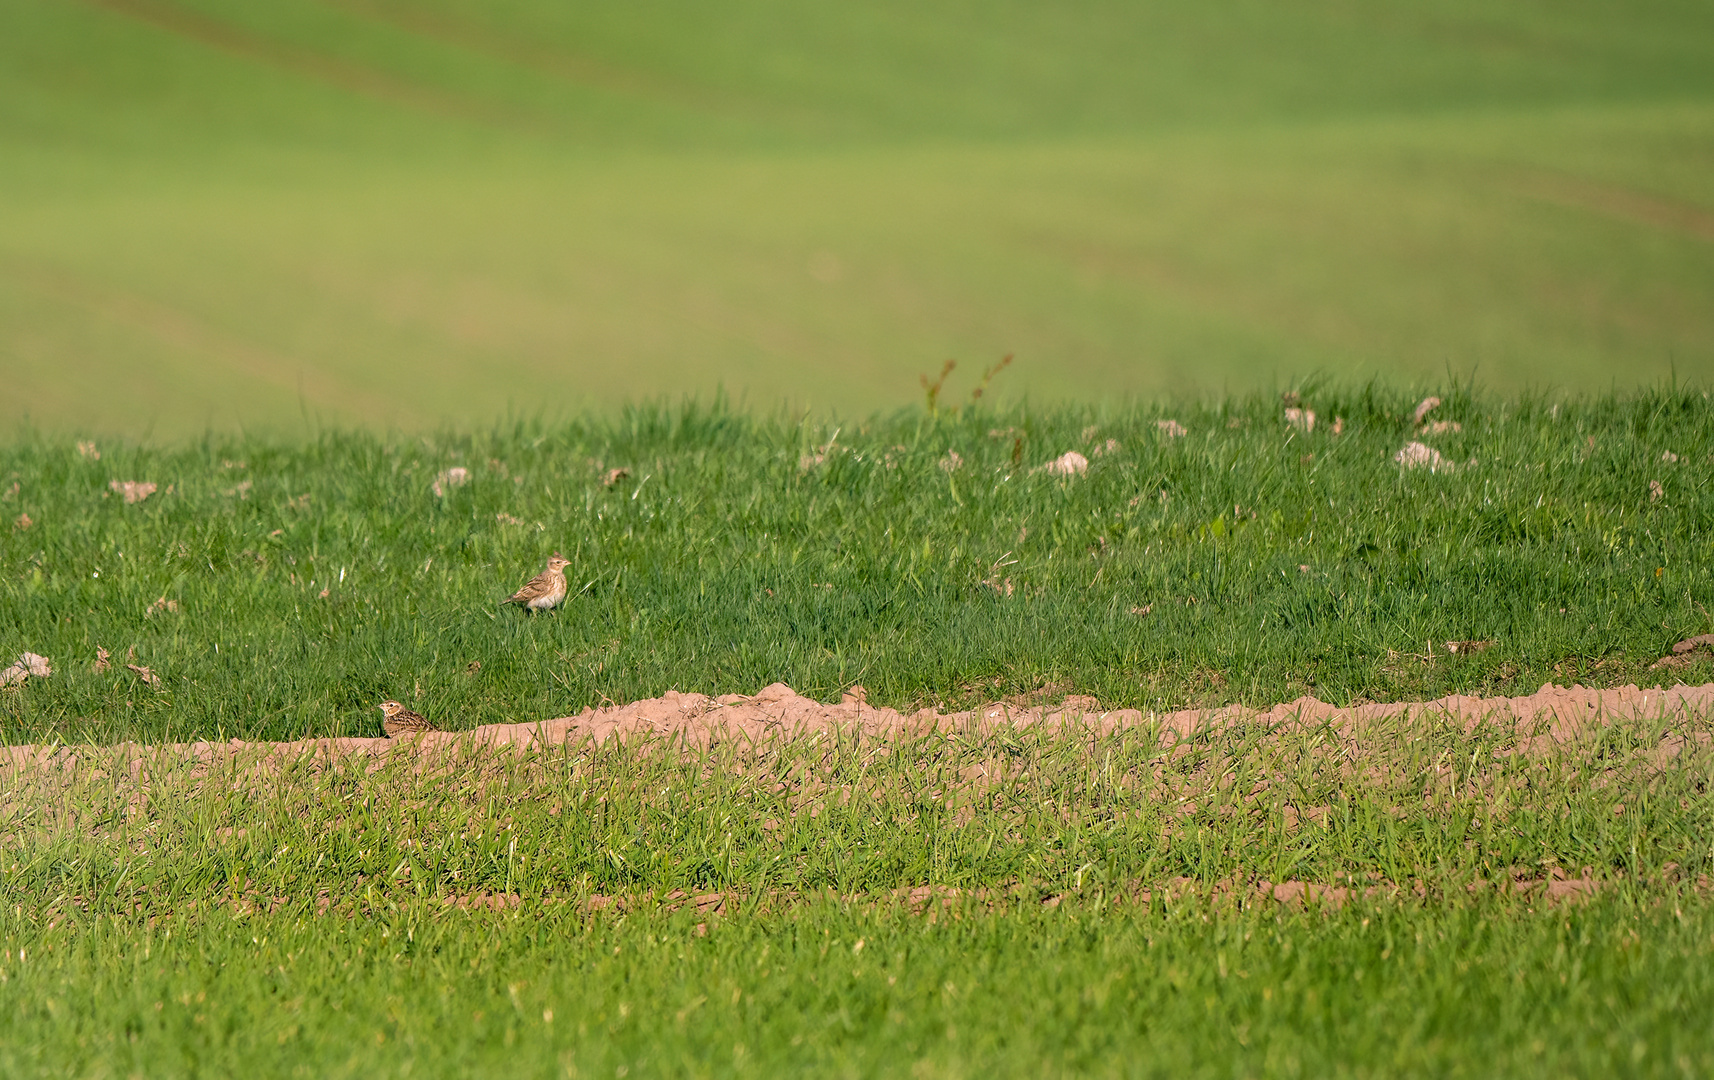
(134, 491)
(952, 462)
(1172, 429)
(448, 479)
(1301, 419)
(1670, 458)
(22, 522)
(1415, 456)
(1423, 408)
(88, 451)
(160, 605)
(1111, 446)
(819, 455)
(27, 665)
(1657, 491)
(1070, 463)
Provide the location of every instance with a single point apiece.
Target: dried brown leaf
(1465, 647)
(27, 665)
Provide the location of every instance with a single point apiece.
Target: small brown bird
(398, 720)
(546, 589)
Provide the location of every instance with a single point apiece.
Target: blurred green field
(223, 213)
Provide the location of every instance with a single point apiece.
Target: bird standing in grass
(546, 589)
(398, 720)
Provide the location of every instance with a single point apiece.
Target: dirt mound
(1550, 716)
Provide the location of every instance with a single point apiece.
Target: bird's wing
(537, 586)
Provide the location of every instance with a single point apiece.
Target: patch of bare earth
(1551, 717)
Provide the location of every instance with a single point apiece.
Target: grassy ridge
(206, 917)
(397, 214)
(1271, 562)
(1408, 805)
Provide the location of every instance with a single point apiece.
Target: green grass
(1604, 990)
(722, 564)
(225, 214)
(314, 229)
(308, 920)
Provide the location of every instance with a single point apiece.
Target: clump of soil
(1687, 652)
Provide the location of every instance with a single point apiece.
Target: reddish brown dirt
(1551, 716)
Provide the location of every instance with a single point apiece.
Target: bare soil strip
(1551, 717)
